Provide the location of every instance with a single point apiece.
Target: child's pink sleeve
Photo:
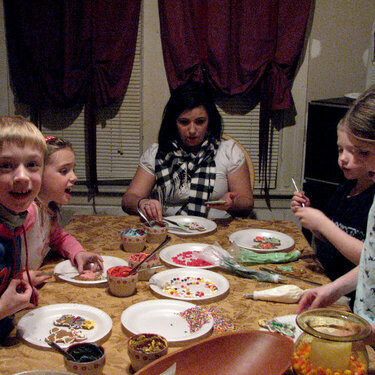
(64, 243)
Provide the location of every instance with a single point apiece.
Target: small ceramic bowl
(157, 232)
(133, 239)
(145, 271)
(119, 284)
(145, 348)
(90, 359)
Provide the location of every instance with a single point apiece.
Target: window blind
(244, 127)
(119, 130)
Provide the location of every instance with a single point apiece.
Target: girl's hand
(88, 260)
(318, 297)
(37, 277)
(298, 200)
(311, 218)
(228, 198)
(16, 297)
(151, 208)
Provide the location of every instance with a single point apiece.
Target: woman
(190, 165)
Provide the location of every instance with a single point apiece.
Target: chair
(249, 162)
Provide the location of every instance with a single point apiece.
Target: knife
(178, 226)
(290, 276)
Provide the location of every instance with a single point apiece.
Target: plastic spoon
(296, 187)
(143, 216)
(62, 351)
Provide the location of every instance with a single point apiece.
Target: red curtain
(69, 52)
(237, 46)
(59, 50)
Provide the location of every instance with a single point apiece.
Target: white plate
(161, 317)
(290, 319)
(34, 327)
(209, 225)
(67, 268)
(159, 281)
(171, 252)
(245, 238)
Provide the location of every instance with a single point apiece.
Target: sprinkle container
(90, 359)
(145, 271)
(145, 348)
(133, 239)
(157, 232)
(119, 283)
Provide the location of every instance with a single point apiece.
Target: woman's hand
(151, 208)
(299, 200)
(88, 260)
(16, 297)
(37, 277)
(228, 198)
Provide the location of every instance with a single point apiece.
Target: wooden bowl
(240, 353)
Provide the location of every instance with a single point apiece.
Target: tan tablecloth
(101, 234)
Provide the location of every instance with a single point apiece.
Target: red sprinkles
(189, 258)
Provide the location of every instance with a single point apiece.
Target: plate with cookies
(262, 240)
(64, 324)
(67, 272)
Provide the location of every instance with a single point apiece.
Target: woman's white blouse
(228, 159)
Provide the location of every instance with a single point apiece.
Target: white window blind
(244, 128)
(119, 130)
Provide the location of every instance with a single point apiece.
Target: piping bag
(215, 254)
(251, 257)
(284, 293)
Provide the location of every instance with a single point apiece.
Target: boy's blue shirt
(10, 257)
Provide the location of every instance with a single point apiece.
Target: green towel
(249, 257)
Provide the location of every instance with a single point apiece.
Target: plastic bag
(249, 257)
(215, 254)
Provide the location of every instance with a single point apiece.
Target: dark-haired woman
(190, 164)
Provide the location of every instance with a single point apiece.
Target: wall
(340, 38)
(334, 64)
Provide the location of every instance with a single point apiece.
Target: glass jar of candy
(331, 343)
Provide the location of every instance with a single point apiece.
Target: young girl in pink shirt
(57, 183)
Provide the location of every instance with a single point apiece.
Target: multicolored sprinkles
(190, 287)
(197, 316)
(221, 324)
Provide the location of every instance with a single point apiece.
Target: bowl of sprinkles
(145, 348)
(157, 231)
(133, 239)
(189, 284)
(146, 267)
(120, 284)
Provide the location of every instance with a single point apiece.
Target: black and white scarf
(178, 168)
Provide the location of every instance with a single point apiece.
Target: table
(101, 234)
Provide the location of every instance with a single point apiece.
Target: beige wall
(334, 64)
(340, 38)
